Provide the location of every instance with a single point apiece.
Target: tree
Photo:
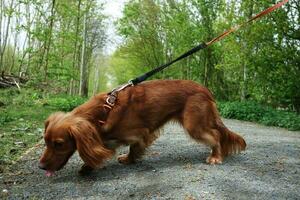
(83, 89)
(7, 14)
(259, 62)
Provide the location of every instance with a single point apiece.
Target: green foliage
(66, 103)
(5, 118)
(21, 120)
(45, 40)
(260, 61)
(255, 112)
(22, 116)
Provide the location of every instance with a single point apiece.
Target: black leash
(204, 45)
(158, 69)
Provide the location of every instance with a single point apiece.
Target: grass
(22, 119)
(22, 129)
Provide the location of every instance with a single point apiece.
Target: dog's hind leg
(203, 123)
(209, 137)
(198, 120)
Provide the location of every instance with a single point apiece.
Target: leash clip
(130, 83)
(110, 100)
(112, 96)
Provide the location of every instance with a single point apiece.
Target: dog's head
(64, 133)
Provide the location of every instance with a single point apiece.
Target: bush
(66, 103)
(5, 118)
(252, 111)
(12, 96)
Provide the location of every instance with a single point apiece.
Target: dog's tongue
(49, 173)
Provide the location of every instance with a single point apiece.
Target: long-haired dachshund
(135, 119)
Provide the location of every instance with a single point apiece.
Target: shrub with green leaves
(255, 112)
(66, 103)
(5, 118)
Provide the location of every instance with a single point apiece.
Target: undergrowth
(22, 116)
(255, 112)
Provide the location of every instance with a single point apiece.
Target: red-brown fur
(139, 112)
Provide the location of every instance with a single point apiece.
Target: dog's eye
(58, 144)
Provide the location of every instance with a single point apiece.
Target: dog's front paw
(212, 160)
(124, 159)
(85, 170)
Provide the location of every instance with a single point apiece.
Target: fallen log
(12, 78)
(5, 84)
(7, 81)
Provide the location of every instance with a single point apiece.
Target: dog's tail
(231, 142)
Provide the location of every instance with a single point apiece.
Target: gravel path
(174, 168)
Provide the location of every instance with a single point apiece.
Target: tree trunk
(28, 19)
(244, 85)
(209, 66)
(1, 17)
(97, 75)
(74, 66)
(15, 41)
(49, 39)
(247, 52)
(22, 69)
(5, 36)
(205, 80)
(24, 66)
(83, 86)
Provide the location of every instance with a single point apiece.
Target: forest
(62, 42)
(52, 43)
(53, 53)
(61, 45)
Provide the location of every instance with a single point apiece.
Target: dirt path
(174, 168)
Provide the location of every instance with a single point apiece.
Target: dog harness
(112, 99)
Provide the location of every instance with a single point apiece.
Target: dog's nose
(42, 166)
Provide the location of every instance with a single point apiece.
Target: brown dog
(135, 119)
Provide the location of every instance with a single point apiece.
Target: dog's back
(151, 104)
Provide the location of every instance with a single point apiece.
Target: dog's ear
(46, 124)
(54, 118)
(88, 143)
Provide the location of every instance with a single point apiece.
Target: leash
(113, 95)
(205, 45)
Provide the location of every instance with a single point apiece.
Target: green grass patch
(255, 112)
(22, 116)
